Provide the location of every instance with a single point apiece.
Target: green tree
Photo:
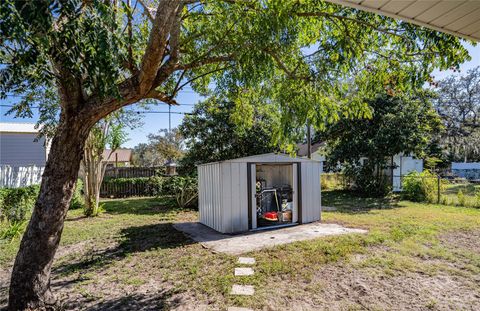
(104, 55)
(107, 132)
(397, 125)
(212, 134)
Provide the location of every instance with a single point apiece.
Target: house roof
(266, 158)
(458, 18)
(16, 127)
(120, 155)
(303, 148)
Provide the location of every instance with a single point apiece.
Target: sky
(153, 122)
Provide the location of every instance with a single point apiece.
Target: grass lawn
(415, 256)
(470, 197)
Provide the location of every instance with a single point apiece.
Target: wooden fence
(20, 176)
(125, 188)
(133, 172)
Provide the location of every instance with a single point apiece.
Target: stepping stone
(238, 309)
(246, 261)
(244, 290)
(243, 271)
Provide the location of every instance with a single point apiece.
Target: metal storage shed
(259, 191)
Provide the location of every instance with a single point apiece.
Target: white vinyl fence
(20, 176)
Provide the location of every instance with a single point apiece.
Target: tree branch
(163, 24)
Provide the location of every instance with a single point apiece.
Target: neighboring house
(315, 150)
(403, 165)
(23, 155)
(21, 146)
(118, 158)
(467, 170)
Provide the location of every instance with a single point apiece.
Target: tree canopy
(294, 52)
(458, 103)
(212, 134)
(398, 125)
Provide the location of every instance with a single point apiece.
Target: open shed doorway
(275, 195)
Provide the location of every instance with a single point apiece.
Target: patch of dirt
(340, 287)
(467, 240)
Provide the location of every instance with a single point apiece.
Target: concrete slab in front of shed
(251, 241)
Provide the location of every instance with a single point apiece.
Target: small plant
(78, 200)
(13, 230)
(185, 190)
(461, 198)
(477, 198)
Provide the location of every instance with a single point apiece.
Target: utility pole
(309, 141)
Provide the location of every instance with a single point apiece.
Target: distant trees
(161, 146)
(458, 103)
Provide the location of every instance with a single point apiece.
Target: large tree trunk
(30, 281)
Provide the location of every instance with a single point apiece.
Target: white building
(22, 155)
(20, 145)
(262, 191)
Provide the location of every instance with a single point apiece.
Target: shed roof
(455, 17)
(16, 127)
(121, 155)
(266, 158)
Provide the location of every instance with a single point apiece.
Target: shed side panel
(311, 197)
(209, 187)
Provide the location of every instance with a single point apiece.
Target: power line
(19, 96)
(134, 111)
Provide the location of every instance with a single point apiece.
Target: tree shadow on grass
(134, 240)
(350, 202)
(144, 302)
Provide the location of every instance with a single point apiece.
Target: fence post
(438, 189)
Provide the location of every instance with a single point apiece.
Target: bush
(184, 189)
(154, 185)
(421, 187)
(78, 201)
(461, 198)
(15, 203)
(365, 181)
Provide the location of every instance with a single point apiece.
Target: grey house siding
(22, 149)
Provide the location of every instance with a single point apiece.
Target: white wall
(15, 177)
(405, 165)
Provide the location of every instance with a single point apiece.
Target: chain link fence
(419, 187)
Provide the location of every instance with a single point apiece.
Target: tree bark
(30, 280)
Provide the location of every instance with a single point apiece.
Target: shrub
(78, 201)
(461, 198)
(365, 181)
(421, 187)
(185, 190)
(17, 202)
(477, 198)
(332, 181)
(154, 185)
